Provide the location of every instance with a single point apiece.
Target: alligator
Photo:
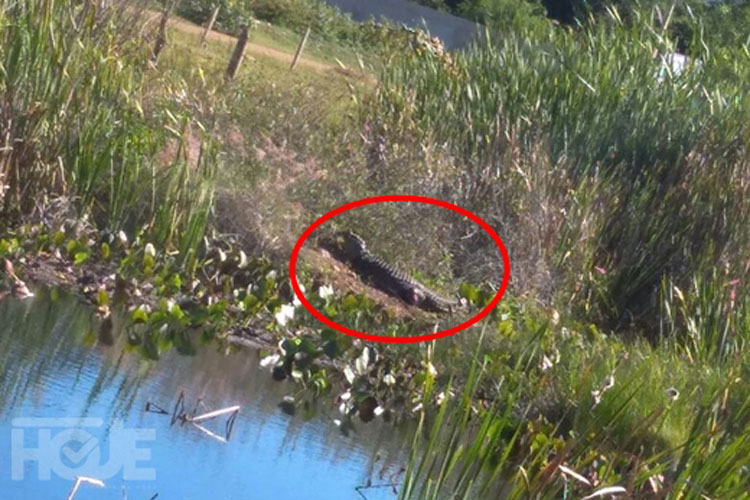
(351, 248)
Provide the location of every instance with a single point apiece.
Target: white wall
(455, 32)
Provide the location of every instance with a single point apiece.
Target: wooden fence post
(300, 48)
(210, 25)
(238, 54)
(161, 36)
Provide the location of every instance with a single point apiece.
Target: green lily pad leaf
(320, 382)
(470, 292)
(178, 313)
(350, 303)
(59, 238)
(505, 327)
(251, 303)
(308, 347)
(329, 334)
(105, 251)
(102, 298)
(158, 317)
(332, 349)
(148, 262)
(80, 258)
(140, 315)
(149, 349)
(71, 246)
(165, 343)
(134, 338)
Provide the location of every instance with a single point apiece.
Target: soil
(252, 48)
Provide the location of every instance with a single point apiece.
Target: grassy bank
(618, 187)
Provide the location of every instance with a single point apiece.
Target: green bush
(232, 15)
(326, 22)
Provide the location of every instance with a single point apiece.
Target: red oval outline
(380, 199)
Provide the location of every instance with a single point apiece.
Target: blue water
(71, 406)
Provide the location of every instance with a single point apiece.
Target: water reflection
(54, 365)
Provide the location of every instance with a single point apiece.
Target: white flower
(285, 314)
(150, 250)
(243, 262)
(546, 363)
(609, 383)
(325, 291)
(440, 398)
(296, 301)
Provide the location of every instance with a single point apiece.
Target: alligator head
(344, 245)
(351, 244)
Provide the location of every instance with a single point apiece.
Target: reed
(78, 120)
(631, 171)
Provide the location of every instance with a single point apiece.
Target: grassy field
(619, 354)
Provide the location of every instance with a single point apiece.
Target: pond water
(72, 406)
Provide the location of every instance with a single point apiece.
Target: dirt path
(252, 48)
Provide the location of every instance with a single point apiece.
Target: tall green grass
(646, 419)
(626, 172)
(624, 184)
(78, 120)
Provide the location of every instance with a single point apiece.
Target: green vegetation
(611, 160)
(79, 124)
(326, 23)
(624, 179)
(725, 23)
(618, 185)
